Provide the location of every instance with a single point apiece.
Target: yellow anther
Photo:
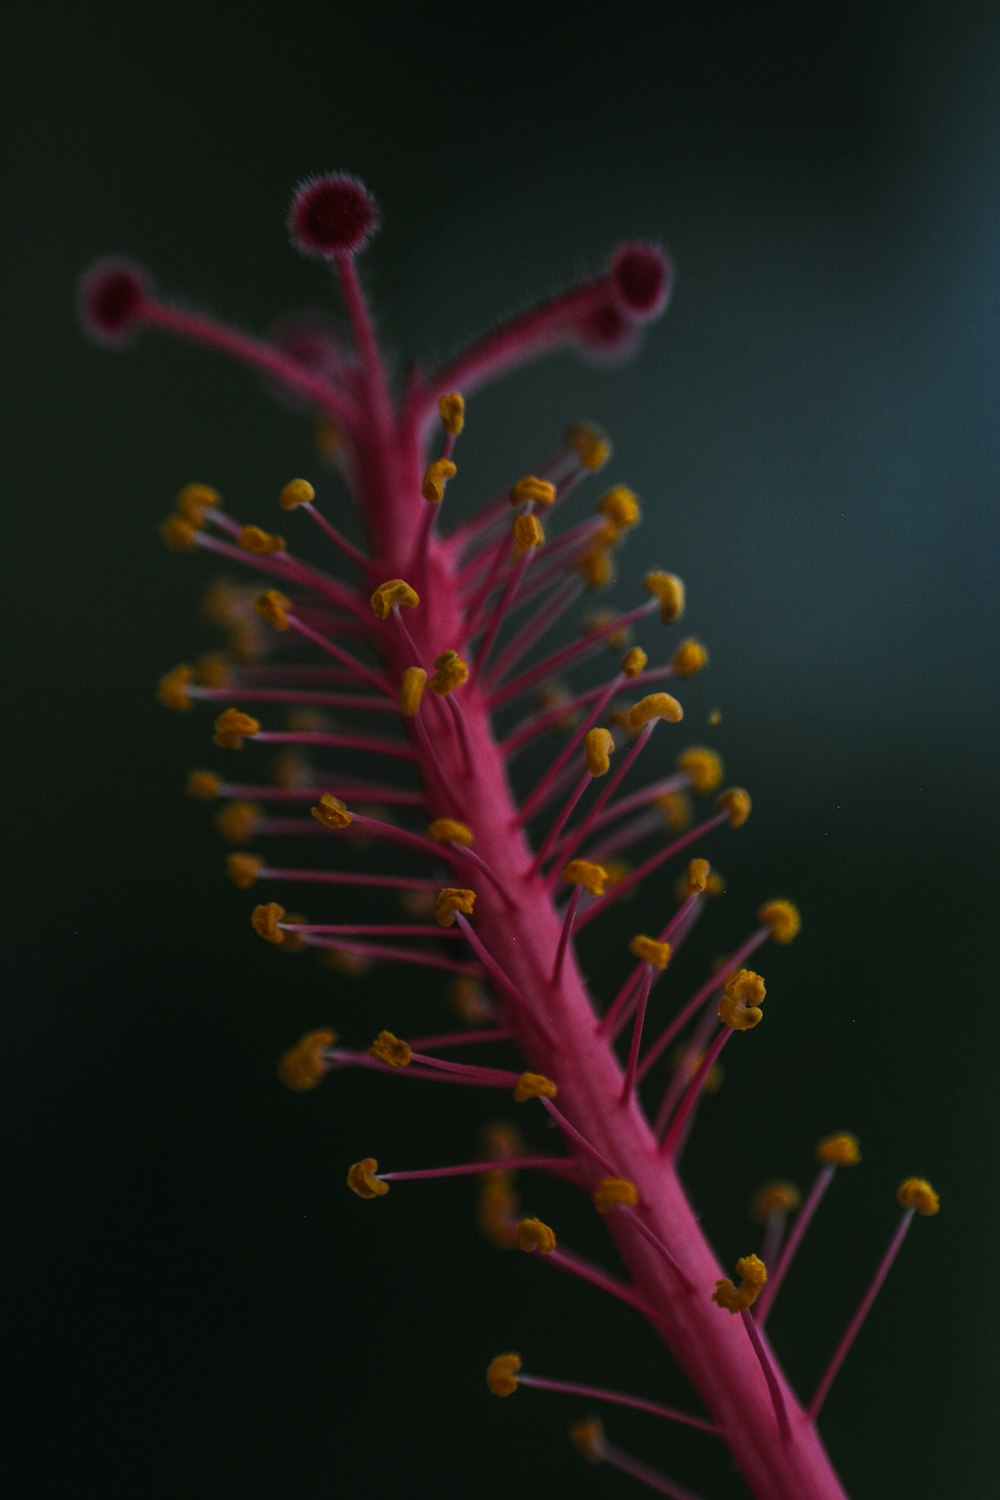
(449, 831)
(435, 479)
(502, 1139)
(532, 1234)
(735, 802)
(587, 1438)
(411, 690)
(255, 539)
(589, 444)
(362, 1179)
(391, 1049)
(620, 507)
(650, 951)
(593, 878)
(204, 785)
(172, 688)
(916, 1192)
(775, 1198)
(839, 1150)
(781, 919)
(598, 747)
(265, 919)
(669, 590)
(634, 662)
(595, 566)
(302, 1066)
(179, 533)
(194, 500)
(532, 488)
(328, 439)
(272, 606)
(450, 901)
(675, 809)
(450, 671)
(467, 999)
(501, 1374)
(295, 942)
(616, 871)
(654, 706)
(615, 1192)
(555, 695)
(741, 1001)
(395, 593)
(212, 669)
(687, 1061)
(698, 871)
(232, 727)
(331, 812)
(702, 767)
(346, 961)
(534, 1086)
(689, 658)
(497, 1208)
(599, 620)
(452, 410)
(753, 1274)
(237, 821)
(295, 493)
(243, 869)
(528, 532)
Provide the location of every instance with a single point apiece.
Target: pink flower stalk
(416, 668)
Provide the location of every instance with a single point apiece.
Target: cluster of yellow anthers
(412, 689)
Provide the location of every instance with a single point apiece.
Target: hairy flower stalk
(413, 666)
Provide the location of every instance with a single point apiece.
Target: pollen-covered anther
(450, 672)
(594, 565)
(696, 880)
(742, 998)
(687, 1060)
(295, 493)
(232, 727)
(391, 1050)
(302, 1066)
(782, 920)
(531, 488)
(435, 480)
(203, 785)
(615, 1192)
(450, 901)
(243, 869)
(501, 1374)
(172, 688)
(634, 662)
(668, 589)
(598, 747)
(839, 1150)
(238, 820)
(593, 877)
(689, 658)
(533, 1235)
(178, 533)
(256, 539)
(362, 1179)
(411, 690)
(528, 532)
(395, 593)
(753, 1275)
(194, 500)
(272, 606)
(917, 1193)
(589, 444)
(650, 951)
(331, 812)
(775, 1198)
(587, 1438)
(675, 810)
(534, 1086)
(702, 767)
(654, 706)
(451, 409)
(597, 623)
(266, 919)
(735, 803)
(449, 831)
(620, 507)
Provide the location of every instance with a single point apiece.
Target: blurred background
(200, 1308)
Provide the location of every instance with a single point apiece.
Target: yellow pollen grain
(774, 1198)
(653, 707)
(615, 1192)
(172, 688)
(265, 919)
(450, 672)
(302, 1066)
(742, 997)
(178, 533)
(411, 690)
(533, 1235)
(650, 951)
(753, 1274)
(839, 1150)
(598, 747)
(194, 500)
(782, 920)
(395, 593)
(295, 493)
(451, 900)
(243, 869)
(736, 804)
(501, 1374)
(203, 785)
(531, 488)
(702, 767)
(362, 1179)
(237, 820)
(620, 507)
(331, 812)
(449, 831)
(595, 566)
(917, 1193)
(675, 809)
(668, 589)
(689, 658)
(589, 444)
(255, 539)
(534, 1086)
(528, 532)
(435, 480)
(451, 409)
(634, 662)
(593, 877)
(391, 1050)
(232, 727)
(698, 871)
(272, 606)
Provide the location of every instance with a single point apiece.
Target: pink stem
(617, 1398)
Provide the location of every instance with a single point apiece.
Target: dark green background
(200, 1308)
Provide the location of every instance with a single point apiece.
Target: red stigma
(332, 214)
(110, 298)
(640, 281)
(607, 334)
